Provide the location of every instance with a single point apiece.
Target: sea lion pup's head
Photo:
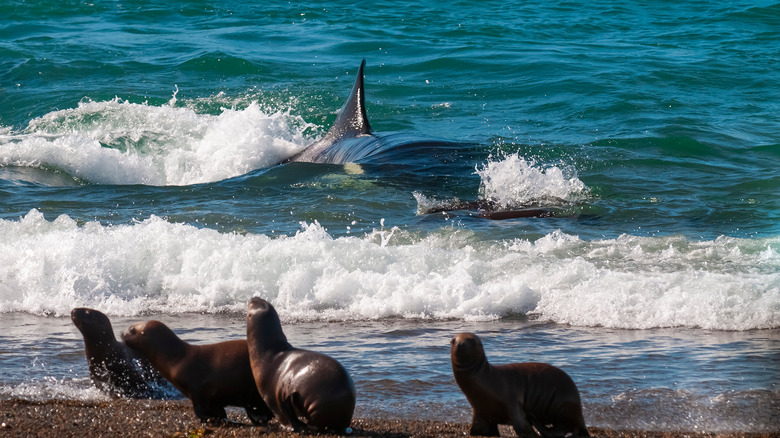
(263, 326)
(152, 336)
(93, 324)
(466, 350)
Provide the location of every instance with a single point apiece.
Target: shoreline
(166, 418)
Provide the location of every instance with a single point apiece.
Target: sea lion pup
(115, 368)
(524, 395)
(305, 390)
(212, 376)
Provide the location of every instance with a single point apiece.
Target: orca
(351, 140)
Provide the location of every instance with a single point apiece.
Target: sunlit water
(139, 151)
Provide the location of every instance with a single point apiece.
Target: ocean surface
(139, 175)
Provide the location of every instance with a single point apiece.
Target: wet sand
(155, 418)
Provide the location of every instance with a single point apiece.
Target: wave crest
(49, 267)
(118, 142)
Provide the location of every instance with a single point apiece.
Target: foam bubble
(117, 142)
(49, 267)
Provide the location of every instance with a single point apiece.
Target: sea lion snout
(258, 304)
(263, 323)
(78, 313)
(77, 316)
(88, 319)
(466, 346)
(136, 330)
(130, 331)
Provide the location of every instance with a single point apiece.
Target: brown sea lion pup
(307, 391)
(212, 376)
(523, 395)
(115, 368)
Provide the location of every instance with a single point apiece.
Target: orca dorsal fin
(352, 120)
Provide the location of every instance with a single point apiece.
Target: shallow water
(659, 379)
(138, 175)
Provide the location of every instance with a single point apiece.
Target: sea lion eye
(452, 341)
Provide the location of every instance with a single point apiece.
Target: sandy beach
(155, 418)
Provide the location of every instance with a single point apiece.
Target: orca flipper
(351, 122)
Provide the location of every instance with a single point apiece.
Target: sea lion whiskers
(469, 352)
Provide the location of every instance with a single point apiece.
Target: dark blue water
(139, 151)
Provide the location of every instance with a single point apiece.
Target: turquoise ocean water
(139, 151)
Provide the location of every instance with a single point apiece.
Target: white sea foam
(49, 267)
(514, 181)
(117, 142)
(511, 181)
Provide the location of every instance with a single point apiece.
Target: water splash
(512, 181)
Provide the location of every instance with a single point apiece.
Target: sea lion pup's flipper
(520, 423)
(259, 415)
(482, 427)
(294, 411)
(208, 413)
